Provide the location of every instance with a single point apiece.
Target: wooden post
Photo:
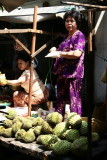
(90, 19)
(32, 51)
(89, 82)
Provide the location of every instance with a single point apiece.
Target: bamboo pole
(85, 5)
(98, 22)
(3, 31)
(89, 83)
(90, 20)
(32, 51)
(43, 47)
(20, 43)
(8, 31)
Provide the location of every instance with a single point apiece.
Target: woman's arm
(71, 54)
(18, 81)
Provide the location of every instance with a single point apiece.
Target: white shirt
(37, 84)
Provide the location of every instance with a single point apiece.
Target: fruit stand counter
(39, 153)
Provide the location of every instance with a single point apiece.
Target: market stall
(37, 150)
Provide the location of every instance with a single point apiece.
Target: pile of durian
(62, 137)
(3, 80)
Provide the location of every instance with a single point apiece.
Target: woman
(40, 93)
(69, 65)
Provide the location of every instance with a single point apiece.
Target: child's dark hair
(24, 56)
(74, 14)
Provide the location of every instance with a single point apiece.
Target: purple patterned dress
(70, 73)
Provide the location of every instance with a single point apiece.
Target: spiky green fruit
(38, 130)
(37, 121)
(7, 123)
(12, 113)
(19, 134)
(16, 126)
(28, 136)
(72, 135)
(59, 129)
(46, 128)
(27, 124)
(74, 121)
(62, 147)
(84, 128)
(79, 143)
(71, 114)
(7, 133)
(44, 138)
(1, 130)
(54, 118)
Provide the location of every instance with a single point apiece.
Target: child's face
(22, 64)
(70, 24)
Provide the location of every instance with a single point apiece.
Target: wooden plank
(38, 151)
(5, 141)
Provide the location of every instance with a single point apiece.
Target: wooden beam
(3, 31)
(8, 31)
(45, 32)
(85, 5)
(98, 22)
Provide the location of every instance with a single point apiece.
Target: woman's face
(22, 65)
(70, 24)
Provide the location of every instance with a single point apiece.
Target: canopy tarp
(24, 13)
(10, 5)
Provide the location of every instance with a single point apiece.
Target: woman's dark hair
(24, 56)
(74, 14)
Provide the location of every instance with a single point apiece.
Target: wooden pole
(90, 31)
(43, 47)
(85, 5)
(20, 43)
(98, 22)
(32, 51)
(8, 31)
(89, 82)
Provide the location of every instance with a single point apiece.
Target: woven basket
(97, 125)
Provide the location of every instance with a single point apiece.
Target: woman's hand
(53, 49)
